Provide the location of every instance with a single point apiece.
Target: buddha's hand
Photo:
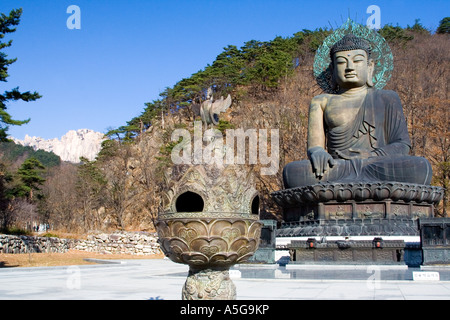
(355, 153)
(321, 160)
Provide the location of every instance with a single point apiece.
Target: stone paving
(162, 279)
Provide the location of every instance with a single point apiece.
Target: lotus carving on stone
(360, 191)
(219, 242)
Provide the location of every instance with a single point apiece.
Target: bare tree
(61, 199)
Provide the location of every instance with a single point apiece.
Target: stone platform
(349, 227)
(377, 251)
(381, 200)
(349, 209)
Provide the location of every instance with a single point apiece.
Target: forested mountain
(271, 84)
(16, 153)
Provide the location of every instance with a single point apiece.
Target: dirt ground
(72, 257)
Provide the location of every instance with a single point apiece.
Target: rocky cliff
(73, 145)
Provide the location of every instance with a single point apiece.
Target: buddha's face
(352, 69)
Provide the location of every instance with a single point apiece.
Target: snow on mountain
(73, 145)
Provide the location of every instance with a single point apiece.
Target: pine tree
(444, 26)
(7, 23)
(29, 174)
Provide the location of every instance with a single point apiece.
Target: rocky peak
(73, 145)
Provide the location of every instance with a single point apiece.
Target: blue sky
(127, 52)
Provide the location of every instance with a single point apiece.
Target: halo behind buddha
(380, 52)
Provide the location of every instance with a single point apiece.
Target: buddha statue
(356, 132)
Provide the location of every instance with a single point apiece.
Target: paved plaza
(155, 279)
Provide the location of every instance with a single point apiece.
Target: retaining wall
(138, 243)
(27, 244)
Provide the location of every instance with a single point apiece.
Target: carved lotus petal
(209, 246)
(209, 250)
(310, 196)
(245, 250)
(163, 229)
(289, 198)
(190, 229)
(324, 194)
(432, 196)
(172, 255)
(398, 193)
(228, 228)
(174, 244)
(224, 259)
(298, 197)
(244, 258)
(279, 199)
(410, 194)
(343, 194)
(240, 243)
(381, 193)
(187, 234)
(422, 195)
(196, 258)
(362, 193)
(229, 234)
(250, 248)
(435, 196)
(173, 248)
(254, 231)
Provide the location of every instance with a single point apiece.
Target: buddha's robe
(380, 127)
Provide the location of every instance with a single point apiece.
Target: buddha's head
(351, 63)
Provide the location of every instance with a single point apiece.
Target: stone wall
(139, 243)
(26, 244)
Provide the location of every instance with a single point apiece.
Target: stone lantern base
(209, 284)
